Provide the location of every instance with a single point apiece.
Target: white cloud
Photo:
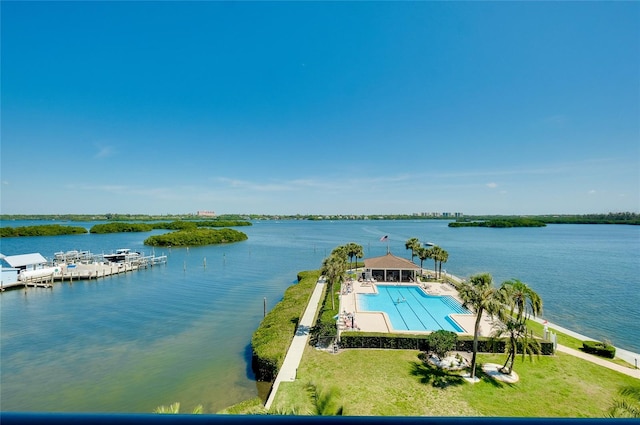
(104, 151)
(492, 185)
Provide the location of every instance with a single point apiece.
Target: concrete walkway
(630, 357)
(600, 361)
(289, 368)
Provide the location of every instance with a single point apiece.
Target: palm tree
(423, 254)
(628, 403)
(518, 338)
(480, 295)
(341, 251)
(433, 254)
(521, 299)
(325, 403)
(333, 268)
(442, 257)
(175, 409)
(354, 250)
(413, 244)
(523, 302)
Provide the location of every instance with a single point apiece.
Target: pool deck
(379, 322)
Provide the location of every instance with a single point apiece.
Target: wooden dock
(88, 268)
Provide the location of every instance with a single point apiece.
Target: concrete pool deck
(379, 322)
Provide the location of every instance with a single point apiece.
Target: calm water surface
(181, 331)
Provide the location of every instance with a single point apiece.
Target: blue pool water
(410, 309)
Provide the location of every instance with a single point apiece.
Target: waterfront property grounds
(398, 383)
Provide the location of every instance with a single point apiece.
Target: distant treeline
(118, 227)
(609, 218)
(499, 223)
(196, 237)
(43, 230)
(502, 221)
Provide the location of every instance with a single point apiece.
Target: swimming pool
(410, 309)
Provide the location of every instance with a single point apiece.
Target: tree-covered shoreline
(115, 227)
(499, 223)
(600, 218)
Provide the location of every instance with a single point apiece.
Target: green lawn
(397, 383)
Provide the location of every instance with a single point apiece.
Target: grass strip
(397, 383)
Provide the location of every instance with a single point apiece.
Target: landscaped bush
(441, 342)
(598, 348)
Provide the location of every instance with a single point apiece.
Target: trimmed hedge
(352, 339)
(599, 349)
(271, 340)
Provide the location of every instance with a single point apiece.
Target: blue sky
(320, 107)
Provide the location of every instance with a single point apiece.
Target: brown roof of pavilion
(389, 261)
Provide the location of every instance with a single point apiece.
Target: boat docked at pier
(122, 255)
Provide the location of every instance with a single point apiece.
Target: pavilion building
(390, 268)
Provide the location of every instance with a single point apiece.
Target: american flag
(384, 238)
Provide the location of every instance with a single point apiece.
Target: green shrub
(441, 342)
(598, 348)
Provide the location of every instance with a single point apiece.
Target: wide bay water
(182, 331)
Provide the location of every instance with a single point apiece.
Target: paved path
(600, 361)
(628, 356)
(291, 362)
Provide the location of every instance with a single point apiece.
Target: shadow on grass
(480, 374)
(439, 378)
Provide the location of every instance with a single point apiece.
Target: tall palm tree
(479, 294)
(333, 268)
(519, 338)
(433, 254)
(413, 244)
(423, 254)
(354, 250)
(442, 257)
(341, 251)
(523, 302)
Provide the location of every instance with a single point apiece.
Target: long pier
(89, 267)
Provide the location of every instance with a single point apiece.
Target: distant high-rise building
(206, 214)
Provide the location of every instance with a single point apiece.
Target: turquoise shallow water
(182, 331)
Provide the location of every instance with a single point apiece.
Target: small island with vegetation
(196, 237)
(41, 230)
(120, 227)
